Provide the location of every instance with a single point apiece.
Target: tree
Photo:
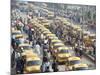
(89, 15)
(94, 16)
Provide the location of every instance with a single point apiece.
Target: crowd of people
(40, 44)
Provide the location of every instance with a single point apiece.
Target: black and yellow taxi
(55, 46)
(92, 37)
(28, 53)
(15, 32)
(46, 32)
(18, 36)
(32, 62)
(62, 54)
(24, 46)
(80, 66)
(32, 65)
(54, 41)
(53, 38)
(49, 35)
(72, 61)
(46, 25)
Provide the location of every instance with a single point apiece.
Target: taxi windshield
(36, 62)
(26, 47)
(74, 62)
(63, 51)
(15, 33)
(81, 68)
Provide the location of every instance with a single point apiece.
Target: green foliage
(89, 15)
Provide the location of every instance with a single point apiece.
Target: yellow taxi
(87, 41)
(44, 21)
(85, 33)
(53, 41)
(92, 37)
(32, 65)
(14, 32)
(64, 48)
(25, 46)
(28, 53)
(58, 44)
(43, 29)
(65, 22)
(62, 54)
(80, 66)
(79, 29)
(18, 36)
(46, 25)
(72, 61)
(49, 35)
(46, 32)
(55, 46)
(50, 16)
(53, 38)
(40, 18)
(76, 27)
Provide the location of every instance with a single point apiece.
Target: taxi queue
(74, 35)
(59, 52)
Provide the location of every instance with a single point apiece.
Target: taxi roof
(92, 35)
(15, 31)
(65, 48)
(29, 53)
(47, 32)
(24, 44)
(64, 54)
(53, 37)
(41, 18)
(56, 40)
(58, 44)
(73, 58)
(43, 28)
(86, 32)
(51, 34)
(76, 27)
(33, 58)
(80, 65)
(18, 35)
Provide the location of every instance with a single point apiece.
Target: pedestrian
(30, 35)
(13, 43)
(43, 64)
(47, 69)
(76, 50)
(18, 66)
(48, 54)
(13, 59)
(38, 48)
(33, 42)
(55, 66)
(81, 51)
(47, 66)
(26, 29)
(21, 25)
(45, 46)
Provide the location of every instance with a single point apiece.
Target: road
(84, 58)
(61, 68)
